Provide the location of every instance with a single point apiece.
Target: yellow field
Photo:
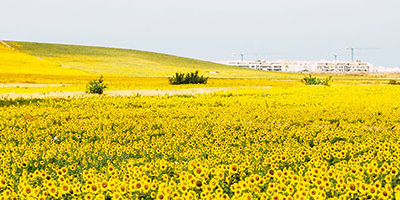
(284, 140)
(16, 62)
(70, 83)
(72, 66)
(76, 84)
(336, 142)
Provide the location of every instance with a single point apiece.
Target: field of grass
(16, 62)
(72, 66)
(131, 63)
(77, 84)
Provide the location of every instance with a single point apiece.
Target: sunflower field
(340, 142)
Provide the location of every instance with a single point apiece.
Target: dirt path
(9, 46)
(122, 93)
(5, 44)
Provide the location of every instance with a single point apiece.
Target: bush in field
(310, 80)
(96, 86)
(394, 82)
(188, 78)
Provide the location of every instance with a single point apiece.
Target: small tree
(393, 82)
(96, 86)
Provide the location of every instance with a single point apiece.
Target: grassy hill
(72, 66)
(129, 63)
(16, 62)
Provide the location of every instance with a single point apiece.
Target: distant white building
(388, 69)
(306, 66)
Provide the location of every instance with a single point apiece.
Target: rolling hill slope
(15, 62)
(129, 63)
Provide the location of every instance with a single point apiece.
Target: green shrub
(96, 86)
(188, 78)
(393, 82)
(310, 80)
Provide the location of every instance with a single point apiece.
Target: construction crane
(241, 55)
(257, 56)
(352, 51)
(335, 56)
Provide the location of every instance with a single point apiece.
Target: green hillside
(131, 63)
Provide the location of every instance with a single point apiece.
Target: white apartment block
(306, 66)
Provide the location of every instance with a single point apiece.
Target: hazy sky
(215, 29)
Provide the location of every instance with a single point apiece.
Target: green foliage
(188, 78)
(394, 82)
(96, 86)
(310, 80)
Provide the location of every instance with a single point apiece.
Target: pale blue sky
(212, 29)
